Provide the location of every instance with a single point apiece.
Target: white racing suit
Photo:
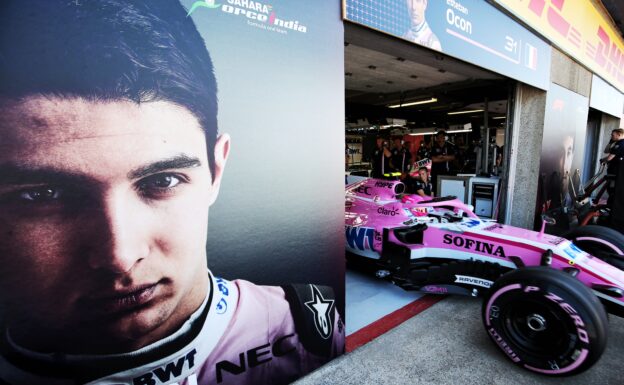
(242, 334)
(423, 35)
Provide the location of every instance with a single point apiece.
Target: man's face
(565, 163)
(103, 220)
(424, 175)
(614, 135)
(440, 139)
(416, 9)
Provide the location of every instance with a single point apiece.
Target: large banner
(580, 30)
(471, 30)
(123, 125)
(563, 146)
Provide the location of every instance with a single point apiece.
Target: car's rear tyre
(601, 242)
(545, 321)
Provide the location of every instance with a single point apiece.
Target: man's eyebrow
(11, 173)
(178, 161)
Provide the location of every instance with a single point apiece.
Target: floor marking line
(390, 321)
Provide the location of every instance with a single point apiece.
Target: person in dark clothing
(614, 161)
(401, 157)
(381, 158)
(422, 185)
(442, 153)
(617, 202)
(423, 151)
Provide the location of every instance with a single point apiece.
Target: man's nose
(122, 233)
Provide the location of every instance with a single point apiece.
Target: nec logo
(166, 372)
(363, 190)
(257, 356)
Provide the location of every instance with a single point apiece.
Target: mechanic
(442, 153)
(614, 162)
(612, 141)
(109, 161)
(423, 151)
(423, 186)
(401, 157)
(381, 158)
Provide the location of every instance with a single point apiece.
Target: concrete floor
(446, 344)
(369, 299)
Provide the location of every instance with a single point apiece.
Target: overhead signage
(470, 30)
(580, 30)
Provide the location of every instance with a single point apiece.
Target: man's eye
(40, 194)
(159, 183)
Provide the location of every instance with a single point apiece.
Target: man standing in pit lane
(442, 153)
(381, 158)
(401, 157)
(614, 162)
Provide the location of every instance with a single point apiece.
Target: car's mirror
(548, 219)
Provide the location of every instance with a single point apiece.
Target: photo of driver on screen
(419, 31)
(110, 158)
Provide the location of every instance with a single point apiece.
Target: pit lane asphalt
(446, 344)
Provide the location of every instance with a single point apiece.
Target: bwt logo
(360, 237)
(166, 373)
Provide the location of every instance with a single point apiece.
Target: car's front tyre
(545, 321)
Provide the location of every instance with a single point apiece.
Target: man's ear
(221, 152)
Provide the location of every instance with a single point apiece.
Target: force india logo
(257, 14)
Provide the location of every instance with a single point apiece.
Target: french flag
(530, 58)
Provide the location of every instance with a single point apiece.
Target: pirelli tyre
(601, 242)
(545, 321)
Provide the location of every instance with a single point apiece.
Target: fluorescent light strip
(499, 117)
(464, 112)
(434, 132)
(432, 100)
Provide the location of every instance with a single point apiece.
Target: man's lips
(119, 301)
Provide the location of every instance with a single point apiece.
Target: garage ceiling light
(431, 100)
(434, 132)
(464, 112)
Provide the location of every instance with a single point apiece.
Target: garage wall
(569, 74)
(527, 134)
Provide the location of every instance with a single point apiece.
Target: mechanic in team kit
(423, 186)
(442, 153)
(109, 161)
(401, 157)
(614, 161)
(381, 158)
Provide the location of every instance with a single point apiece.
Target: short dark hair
(619, 131)
(140, 50)
(423, 168)
(441, 132)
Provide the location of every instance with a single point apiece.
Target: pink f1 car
(544, 296)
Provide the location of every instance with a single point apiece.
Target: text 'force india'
(544, 296)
